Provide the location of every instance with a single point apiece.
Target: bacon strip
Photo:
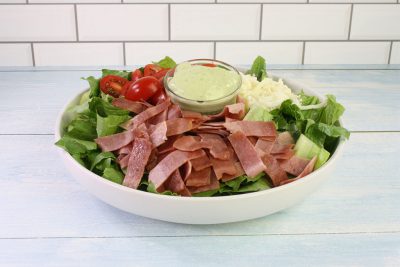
(295, 165)
(115, 141)
(222, 167)
(201, 163)
(145, 115)
(199, 178)
(273, 169)
(179, 126)
(160, 173)
(137, 162)
(252, 128)
(218, 147)
(190, 143)
(158, 134)
(175, 184)
(133, 106)
(307, 170)
(247, 154)
(212, 186)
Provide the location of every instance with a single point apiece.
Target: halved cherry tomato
(160, 74)
(136, 75)
(158, 97)
(112, 85)
(209, 65)
(150, 69)
(142, 89)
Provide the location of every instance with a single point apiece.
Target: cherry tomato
(136, 75)
(112, 85)
(160, 74)
(142, 89)
(150, 69)
(158, 97)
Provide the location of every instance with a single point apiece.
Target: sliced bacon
(186, 170)
(153, 160)
(239, 172)
(199, 178)
(218, 147)
(175, 184)
(285, 138)
(214, 184)
(191, 143)
(174, 111)
(145, 115)
(158, 134)
(201, 163)
(194, 115)
(295, 165)
(220, 132)
(123, 160)
(247, 154)
(179, 126)
(160, 173)
(278, 148)
(125, 150)
(168, 146)
(234, 111)
(222, 167)
(252, 128)
(307, 170)
(160, 117)
(115, 141)
(273, 169)
(139, 156)
(133, 106)
(264, 146)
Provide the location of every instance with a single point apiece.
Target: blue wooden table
(47, 219)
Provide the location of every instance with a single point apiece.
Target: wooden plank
(281, 250)
(31, 101)
(39, 197)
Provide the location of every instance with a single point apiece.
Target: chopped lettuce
(122, 73)
(258, 69)
(166, 63)
(110, 124)
(94, 86)
(258, 114)
(113, 175)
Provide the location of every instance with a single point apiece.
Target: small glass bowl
(203, 106)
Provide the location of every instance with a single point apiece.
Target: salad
(127, 129)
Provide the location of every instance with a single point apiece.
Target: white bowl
(196, 210)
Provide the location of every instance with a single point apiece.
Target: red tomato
(112, 85)
(211, 65)
(142, 89)
(150, 69)
(158, 97)
(160, 74)
(136, 75)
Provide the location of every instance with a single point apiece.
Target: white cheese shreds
(268, 93)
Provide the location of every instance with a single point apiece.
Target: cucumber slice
(305, 148)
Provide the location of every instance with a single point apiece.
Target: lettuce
(166, 63)
(258, 114)
(94, 86)
(121, 73)
(110, 124)
(258, 69)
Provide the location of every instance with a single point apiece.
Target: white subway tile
(122, 22)
(262, 1)
(395, 58)
(242, 53)
(37, 23)
(12, 1)
(353, 1)
(215, 22)
(15, 55)
(169, 1)
(73, 1)
(143, 53)
(305, 22)
(346, 53)
(377, 22)
(78, 54)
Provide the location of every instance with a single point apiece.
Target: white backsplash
(134, 32)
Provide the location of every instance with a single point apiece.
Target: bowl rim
(197, 102)
(313, 175)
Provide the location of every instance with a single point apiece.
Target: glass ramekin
(203, 106)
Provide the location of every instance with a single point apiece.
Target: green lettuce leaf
(260, 184)
(104, 108)
(94, 85)
(76, 146)
(110, 124)
(122, 73)
(113, 175)
(101, 158)
(332, 111)
(82, 127)
(258, 68)
(166, 63)
(258, 114)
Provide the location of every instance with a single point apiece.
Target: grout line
(124, 53)
(303, 55)
(202, 41)
(169, 22)
(33, 55)
(204, 236)
(199, 3)
(351, 21)
(390, 52)
(76, 23)
(261, 21)
(215, 50)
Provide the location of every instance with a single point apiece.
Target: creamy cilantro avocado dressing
(202, 83)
